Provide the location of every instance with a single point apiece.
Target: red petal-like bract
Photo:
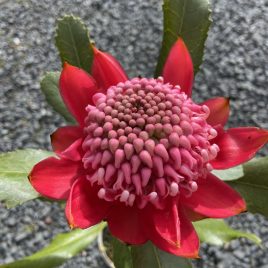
(74, 152)
(219, 111)
(215, 199)
(238, 145)
(178, 69)
(127, 224)
(77, 88)
(54, 177)
(67, 142)
(189, 242)
(106, 70)
(84, 208)
(167, 224)
(63, 137)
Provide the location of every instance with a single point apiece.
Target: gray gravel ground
(235, 65)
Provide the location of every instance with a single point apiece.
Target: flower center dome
(146, 142)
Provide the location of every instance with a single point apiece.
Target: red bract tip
(106, 70)
(178, 69)
(219, 110)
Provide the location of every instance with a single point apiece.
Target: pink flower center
(146, 141)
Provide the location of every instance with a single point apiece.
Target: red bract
(142, 154)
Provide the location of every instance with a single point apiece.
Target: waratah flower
(141, 155)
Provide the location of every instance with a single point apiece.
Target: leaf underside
(15, 187)
(217, 232)
(229, 174)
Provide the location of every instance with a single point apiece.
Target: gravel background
(235, 65)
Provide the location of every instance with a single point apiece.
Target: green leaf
(72, 41)
(63, 247)
(121, 254)
(189, 19)
(148, 256)
(217, 232)
(50, 88)
(229, 174)
(253, 186)
(15, 187)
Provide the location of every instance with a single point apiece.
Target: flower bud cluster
(146, 141)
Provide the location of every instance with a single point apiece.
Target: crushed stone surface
(235, 66)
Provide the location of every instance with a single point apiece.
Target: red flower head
(141, 155)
